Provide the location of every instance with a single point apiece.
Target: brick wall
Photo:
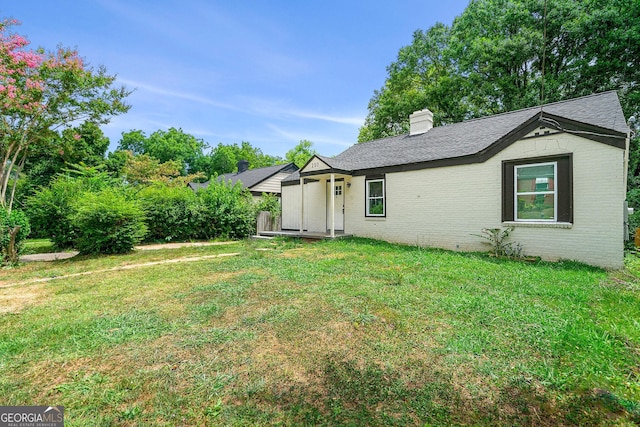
(444, 207)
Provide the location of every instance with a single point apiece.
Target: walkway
(57, 256)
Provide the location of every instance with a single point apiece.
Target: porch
(314, 235)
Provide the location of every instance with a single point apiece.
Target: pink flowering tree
(42, 91)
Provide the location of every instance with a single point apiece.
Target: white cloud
(355, 121)
(177, 94)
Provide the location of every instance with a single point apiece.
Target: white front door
(338, 195)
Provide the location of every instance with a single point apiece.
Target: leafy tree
(144, 169)
(84, 144)
(41, 91)
(166, 146)
(225, 158)
(116, 161)
(301, 153)
(133, 141)
(491, 61)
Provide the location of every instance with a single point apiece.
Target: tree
(225, 158)
(84, 144)
(144, 169)
(41, 91)
(166, 146)
(496, 58)
(301, 153)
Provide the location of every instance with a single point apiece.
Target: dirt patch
(14, 300)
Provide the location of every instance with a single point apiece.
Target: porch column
(333, 205)
(301, 205)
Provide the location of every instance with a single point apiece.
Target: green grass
(346, 332)
(38, 246)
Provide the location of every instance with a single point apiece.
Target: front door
(338, 195)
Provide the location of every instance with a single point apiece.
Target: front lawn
(345, 332)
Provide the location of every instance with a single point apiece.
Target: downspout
(627, 211)
(626, 158)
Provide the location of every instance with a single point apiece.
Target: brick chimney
(420, 122)
(243, 166)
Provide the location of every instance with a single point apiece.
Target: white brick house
(557, 174)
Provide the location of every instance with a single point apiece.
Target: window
(375, 197)
(338, 190)
(538, 190)
(535, 192)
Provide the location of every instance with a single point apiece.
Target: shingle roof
(473, 136)
(251, 177)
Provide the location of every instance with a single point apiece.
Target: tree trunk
(15, 181)
(12, 250)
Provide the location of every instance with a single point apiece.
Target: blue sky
(268, 72)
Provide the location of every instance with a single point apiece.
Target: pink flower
(76, 137)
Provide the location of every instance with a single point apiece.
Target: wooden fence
(268, 222)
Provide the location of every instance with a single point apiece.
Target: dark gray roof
(254, 177)
(198, 185)
(474, 136)
(251, 177)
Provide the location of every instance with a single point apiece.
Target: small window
(375, 197)
(535, 192)
(338, 190)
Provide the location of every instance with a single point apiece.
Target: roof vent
(420, 122)
(243, 166)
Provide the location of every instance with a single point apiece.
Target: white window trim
(368, 198)
(529, 193)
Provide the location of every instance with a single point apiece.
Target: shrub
(173, 213)
(270, 203)
(228, 209)
(50, 209)
(497, 237)
(11, 250)
(108, 222)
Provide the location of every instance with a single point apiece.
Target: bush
(228, 209)
(108, 223)
(270, 203)
(173, 213)
(50, 209)
(8, 221)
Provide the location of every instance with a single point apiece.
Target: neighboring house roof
(252, 177)
(198, 185)
(249, 178)
(476, 140)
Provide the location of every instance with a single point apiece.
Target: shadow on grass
(353, 393)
